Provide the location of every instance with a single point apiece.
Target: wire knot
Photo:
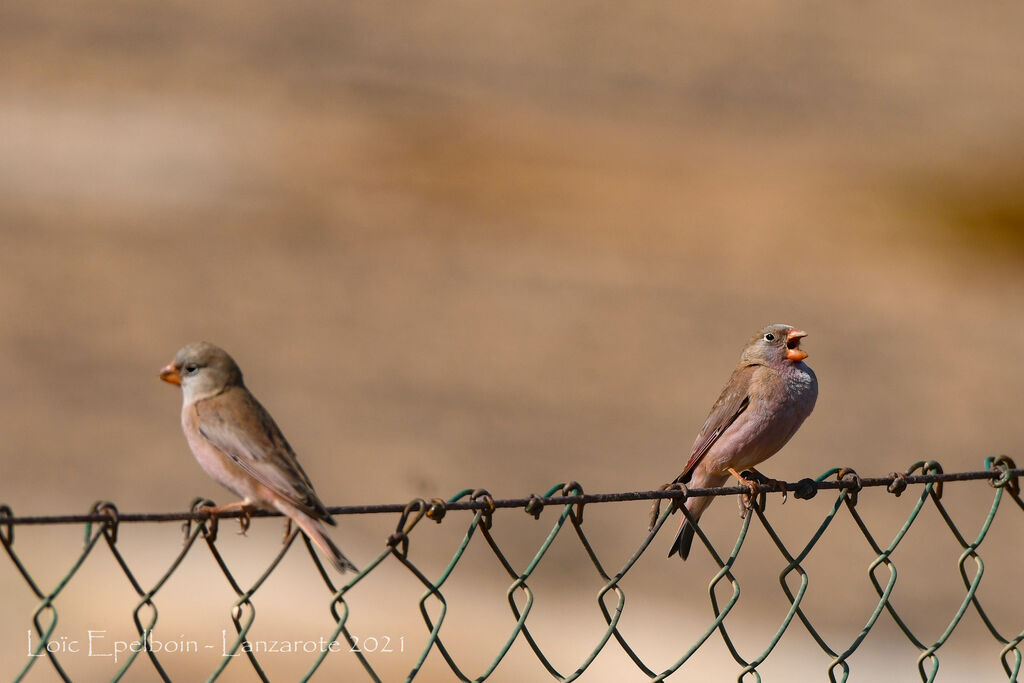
(853, 484)
(898, 484)
(805, 489)
(396, 538)
(109, 510)
(437, 510)
(1003, 464)
(416, 508)
(933, 467)
(929, 467)
(676, 501)
(487, 514)
(7, 530)
(574, 488)
(535, 506)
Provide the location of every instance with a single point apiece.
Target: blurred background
(505, 246)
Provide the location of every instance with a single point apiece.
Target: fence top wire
(1000, 472)
(804, 488)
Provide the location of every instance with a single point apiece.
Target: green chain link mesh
(103, 521)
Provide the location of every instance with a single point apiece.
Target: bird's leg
(243, 521)
(747, 502)
(287, 529)
(752, 484)
(773, 482)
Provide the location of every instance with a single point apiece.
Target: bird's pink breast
(217, 465)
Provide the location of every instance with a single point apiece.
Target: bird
(769, 395)
(238, 444)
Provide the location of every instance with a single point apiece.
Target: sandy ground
(459, 246)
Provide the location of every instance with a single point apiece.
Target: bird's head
(776, 344)
(202, 370)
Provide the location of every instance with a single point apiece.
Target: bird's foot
(752, 480)
(775, 483)
(244, 519)
(782, 485)
(755, 482)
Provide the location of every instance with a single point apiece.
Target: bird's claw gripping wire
(244, 518)
(209, 525)
(755, 496)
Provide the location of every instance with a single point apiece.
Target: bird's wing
(237, 425)
(734, 399)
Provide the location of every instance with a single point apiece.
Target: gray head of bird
(776, 345)
(203, 370)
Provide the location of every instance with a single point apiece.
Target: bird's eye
(769, 337)
(190, 368)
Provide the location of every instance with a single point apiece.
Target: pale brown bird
(770, 394)
(237, 442)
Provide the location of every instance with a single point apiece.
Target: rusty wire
(473, 504)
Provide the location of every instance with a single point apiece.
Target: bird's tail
(683, 540)
(695, 506)
(314, 529)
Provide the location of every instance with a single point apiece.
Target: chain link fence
(103, 521)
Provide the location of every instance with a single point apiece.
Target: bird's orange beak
(793, 351)
(169, 373)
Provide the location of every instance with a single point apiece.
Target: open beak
(169, 373)
(793, 351)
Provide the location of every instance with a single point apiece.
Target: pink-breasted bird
(237, 442)
(770, 394)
